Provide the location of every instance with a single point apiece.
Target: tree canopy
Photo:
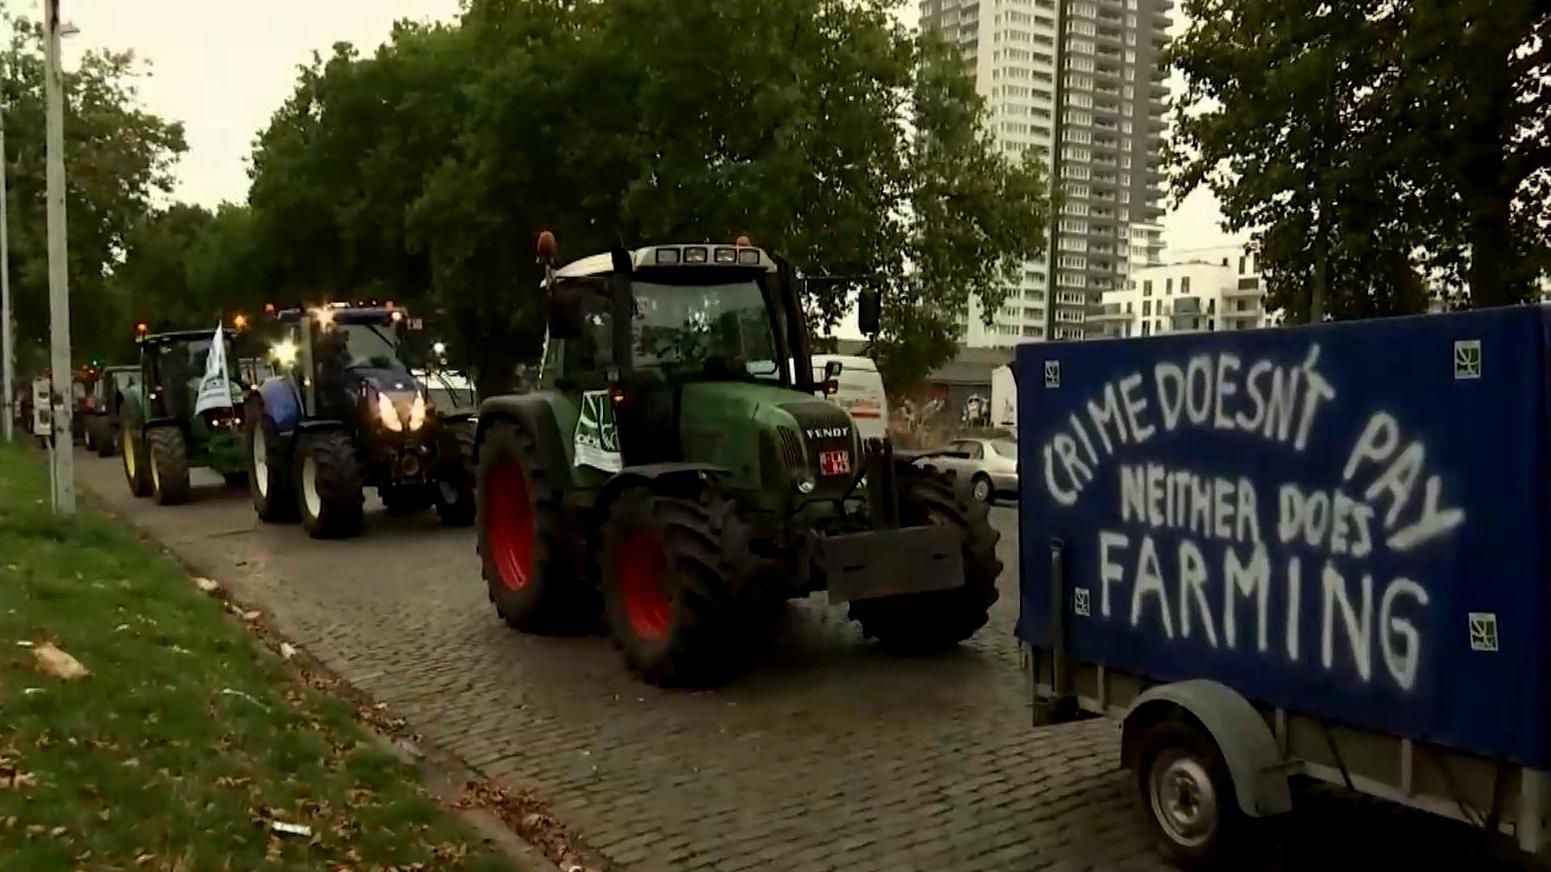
(821, 128)
(1372, 144)
(118, 158)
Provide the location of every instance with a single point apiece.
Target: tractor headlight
(388, 415)
(284, 352)
(417, 412)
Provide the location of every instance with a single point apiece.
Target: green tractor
(102, 422)
(679, 473)
(160, 436)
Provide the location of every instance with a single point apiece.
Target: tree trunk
(1493, 278)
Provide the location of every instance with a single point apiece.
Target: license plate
(835, 462)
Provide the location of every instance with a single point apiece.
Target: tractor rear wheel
(269, 475)
(939, 619)
(456, 503)
(674, 570)
(169, 465)
(328, 485)
(529, 566)
(104, 438)
(137, 467)
(89, 428)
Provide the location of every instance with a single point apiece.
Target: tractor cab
(171, 367)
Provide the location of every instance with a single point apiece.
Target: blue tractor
(346, 413)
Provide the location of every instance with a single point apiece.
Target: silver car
(990, 465)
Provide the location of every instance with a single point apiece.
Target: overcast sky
(222, 73)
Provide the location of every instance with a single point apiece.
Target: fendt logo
(829, 433)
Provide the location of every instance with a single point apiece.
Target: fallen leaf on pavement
(57, 663)
(207, 585)
(252, 616)
(287, 650)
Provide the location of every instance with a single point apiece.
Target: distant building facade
(1203, 290)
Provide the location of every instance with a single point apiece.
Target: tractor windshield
(719, 329)
(367, 346)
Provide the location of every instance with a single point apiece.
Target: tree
(117, 156)
(1370, 143)
(818, 127)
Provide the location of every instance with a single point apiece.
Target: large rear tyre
(529, 566)
(89, 428)
(1188, 798)
(169, 466)
(456, 502)
(328, 485)
(137, 461)
(936, 620)
(137, 467)
(269, 469)
(674, 570)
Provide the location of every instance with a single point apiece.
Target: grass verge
(186, 742)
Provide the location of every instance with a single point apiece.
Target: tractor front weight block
(880, 563)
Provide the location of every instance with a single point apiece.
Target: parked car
(989, 464)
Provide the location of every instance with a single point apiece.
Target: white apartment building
(1078, 83)
(1207, 289)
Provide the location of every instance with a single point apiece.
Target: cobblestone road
(827, 755)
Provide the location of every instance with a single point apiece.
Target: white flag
(215, 391)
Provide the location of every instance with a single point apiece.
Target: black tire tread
(104, 436)
(460, 468)
(169, 451)
(557, 599)
(708, 561)
(937, 620)
(339, 485)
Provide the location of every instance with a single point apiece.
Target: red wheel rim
(641, 568)
(509, 524)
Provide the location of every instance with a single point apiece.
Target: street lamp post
(58, 279)
(7, 353)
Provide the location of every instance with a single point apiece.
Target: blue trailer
(1316, 551)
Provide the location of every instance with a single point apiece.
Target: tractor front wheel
(328, 485)
(456, 504)
(137, 467)
(529, 565)
(674, 569)
(169, 466)
(939, 619)
(269, 475)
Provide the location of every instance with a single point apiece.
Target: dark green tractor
(679, 473)
(160, 436)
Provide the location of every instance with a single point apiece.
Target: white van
(861, 392)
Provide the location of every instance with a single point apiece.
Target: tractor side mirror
(869, 311)
(832, 378)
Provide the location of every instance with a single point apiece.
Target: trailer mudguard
(1241, 734)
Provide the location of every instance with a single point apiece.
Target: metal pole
(58, 280)
(7, 354)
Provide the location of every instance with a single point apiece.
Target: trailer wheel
(269, 473)
(169, 466)
(528, 563)
(1188, 797)
(673, 570)
(328, 485)
(936, 620)
(455, 499)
